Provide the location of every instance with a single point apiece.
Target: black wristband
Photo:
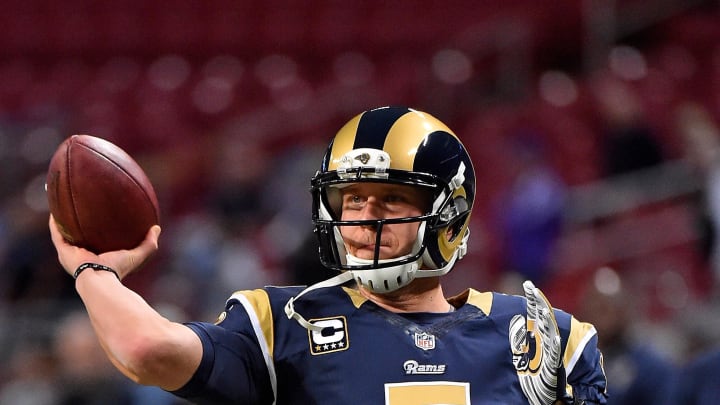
(95, 267)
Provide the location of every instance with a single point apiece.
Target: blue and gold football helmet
(403, 146)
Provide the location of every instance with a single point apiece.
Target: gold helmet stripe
(401, 141)
(343, 142)
(407, 134)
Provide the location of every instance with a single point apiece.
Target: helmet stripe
(343, 142)
(408, 134)
(374, 126)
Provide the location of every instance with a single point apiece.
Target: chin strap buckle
(463, 246)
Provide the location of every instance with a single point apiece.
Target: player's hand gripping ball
(100, 197)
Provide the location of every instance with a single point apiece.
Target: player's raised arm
(142, 344)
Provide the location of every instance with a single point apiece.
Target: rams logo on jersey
(332, 338)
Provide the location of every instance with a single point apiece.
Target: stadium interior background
(598, 117)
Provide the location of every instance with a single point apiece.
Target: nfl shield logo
(424, 341)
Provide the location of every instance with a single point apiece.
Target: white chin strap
(341, 278)
(381, 280)
(359, 275)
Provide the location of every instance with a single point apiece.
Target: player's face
(364, 201)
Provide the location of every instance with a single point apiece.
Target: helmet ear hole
(461, 204)
(454, 216)
(456, 227)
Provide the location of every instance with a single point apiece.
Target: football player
(391, 207)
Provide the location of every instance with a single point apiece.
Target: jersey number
(429, 392)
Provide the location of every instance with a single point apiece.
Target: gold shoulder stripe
(355, 296)
(482, 300)
(580, 334)
(406, 134)
(260, 305)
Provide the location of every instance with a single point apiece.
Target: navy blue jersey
(366, 355)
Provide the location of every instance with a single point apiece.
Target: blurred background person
(701, 140)
(530, 211)
(638, 371)
(29, 376)
(85, 375)
(696, 379)
(628, 141)
(696, 383)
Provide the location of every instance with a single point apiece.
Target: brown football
(100, 197)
